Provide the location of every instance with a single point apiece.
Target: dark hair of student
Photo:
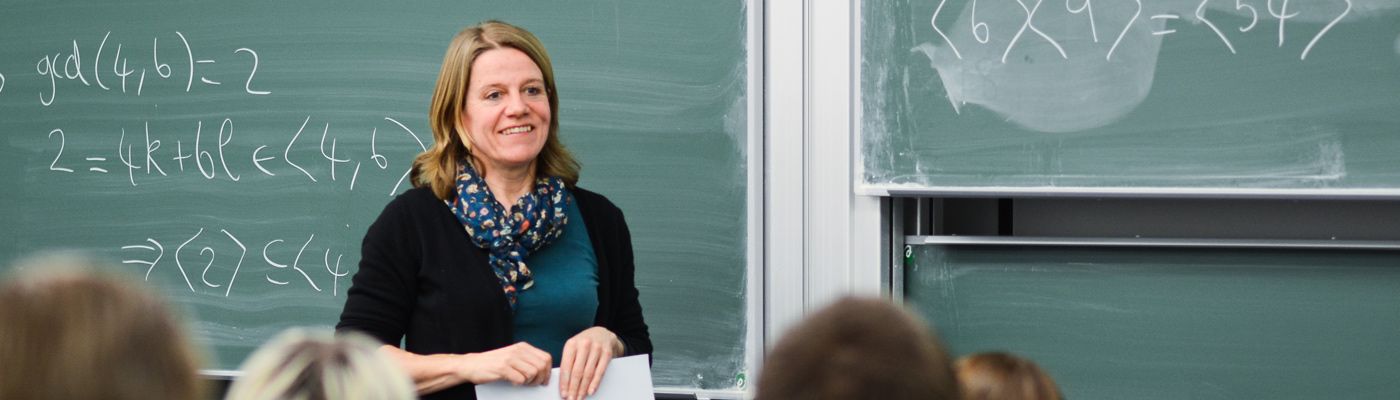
(858, 349)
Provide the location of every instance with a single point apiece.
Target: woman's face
(506, 117)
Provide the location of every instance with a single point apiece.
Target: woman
(306, 364)
(541, 275)
(69, 330)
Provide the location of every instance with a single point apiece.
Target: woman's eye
(493, 95)
(534, 91)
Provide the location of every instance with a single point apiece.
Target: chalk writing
(294, 263)
(72, 67)
(1092, 28)
(1037, 67)
(160, 252)
(240, 261)
(1125, 30)
(1030, 13)
(985, 34)
(1201, 16)
(182, 267)
(1164, 17)
(1282, 15)
(162, 149)
(97, 169)
(248, 85)
(152, 254)
(1253, 15)
(62, 141)
(980, 29)
(940, 31)
(1324, 31)
(420, 145)
(211, 156)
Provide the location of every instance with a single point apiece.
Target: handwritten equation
(282, 272)
(1278, 9)
(137, 151)
(1067, 66)
(70, 67)
(235, 146)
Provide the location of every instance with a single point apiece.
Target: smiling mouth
(518, 129)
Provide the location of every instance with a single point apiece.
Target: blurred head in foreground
(858, 349)
(71, 328)
(1002, 376)
(307, 364)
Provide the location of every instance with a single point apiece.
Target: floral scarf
(536, 219)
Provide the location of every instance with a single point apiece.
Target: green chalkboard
(1163, 323)
(233, 153)
(1133, 96)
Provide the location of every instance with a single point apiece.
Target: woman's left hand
(584, 360)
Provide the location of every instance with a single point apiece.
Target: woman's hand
(520, 363)
(584, 360)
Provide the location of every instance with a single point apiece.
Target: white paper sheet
(627, 378)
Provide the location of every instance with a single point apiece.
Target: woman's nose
(515, 106)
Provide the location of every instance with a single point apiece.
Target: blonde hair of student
(858, 349)
(306, 364)
(437, 167)
(1003, 376)
(70, 329)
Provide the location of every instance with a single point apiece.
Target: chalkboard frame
(746, 116)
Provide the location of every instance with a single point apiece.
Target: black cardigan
(422, 280)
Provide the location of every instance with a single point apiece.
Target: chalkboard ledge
(691, 394)
(951, 240)
(221, 379)
(903, 190)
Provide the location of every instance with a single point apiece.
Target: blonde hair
(71, 330)
(437, 167)
(306, 364)
(1002, 376)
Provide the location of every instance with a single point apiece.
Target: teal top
(564, 299)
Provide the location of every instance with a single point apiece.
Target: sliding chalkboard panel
(1154, 96)
(233, 153)
(1173, 323)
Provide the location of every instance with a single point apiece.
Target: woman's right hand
(520, 363)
